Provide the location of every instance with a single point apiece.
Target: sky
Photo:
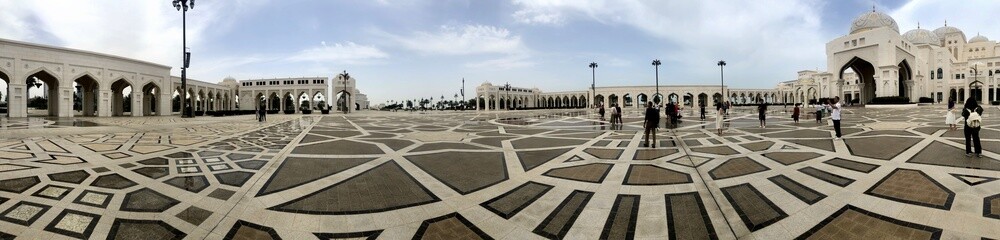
(406, 49)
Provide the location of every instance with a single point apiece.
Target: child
(795, 113)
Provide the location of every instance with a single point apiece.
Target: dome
(947, 30)
(922, 36)
(873, 20)
(979, 38)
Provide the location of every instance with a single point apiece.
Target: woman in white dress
(718, 117)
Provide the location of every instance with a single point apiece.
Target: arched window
(940, 73)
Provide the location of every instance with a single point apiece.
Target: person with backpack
(618, 115)
(671, 112)
(650, 123)
(973, 123)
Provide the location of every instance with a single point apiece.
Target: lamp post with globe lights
(656, 66)
(722, 79)
(593, 82)
(184, 6)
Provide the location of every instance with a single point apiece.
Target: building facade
(490, 97)
(83, 83)
(875, 60)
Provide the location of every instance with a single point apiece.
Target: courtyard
(898, 173)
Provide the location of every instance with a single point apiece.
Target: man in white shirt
(835, 115)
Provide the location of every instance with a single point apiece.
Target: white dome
(873, 20)
(922, 36)
(979, 38)
(948, 30)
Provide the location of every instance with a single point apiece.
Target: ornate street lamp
(346, 77)
(593, 82)
(184, 6)
(722, 78)
(656, 66)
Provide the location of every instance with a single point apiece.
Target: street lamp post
(656, 66)
(346, 97)
(462, 91)
(184, 6)
(507, 101)
(722, 79)
(593, 81)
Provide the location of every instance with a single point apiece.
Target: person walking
(950, 117)
(726, 107)
(600, 110)
(819, 113)
(762, 113)
(650, 122)
(671, 112)
(835, 116)
(973, 123)
(795, 113)
(618, 112)
(702, 108)
(720, 114)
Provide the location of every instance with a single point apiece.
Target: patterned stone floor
(898, 173)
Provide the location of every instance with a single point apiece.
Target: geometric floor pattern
(497, 175)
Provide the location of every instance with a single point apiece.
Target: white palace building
(873, 60)
(84, 83)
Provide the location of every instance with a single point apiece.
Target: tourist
(726, 107)
(762, 113)
(263, 114)
(950, 117)
(600, 111)
(819, 113)
(973, 123)
(650, 123)
(835, 116)
(702, 108)
(618, 112)
(720, 114)
(795, 113)
(671, 112)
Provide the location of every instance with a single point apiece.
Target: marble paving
(543, 174)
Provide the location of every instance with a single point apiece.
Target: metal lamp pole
(346, 97)
(593, 81)
(184, 6)
(722, 78)
(656, 66)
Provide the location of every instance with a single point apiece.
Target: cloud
(503, 63)
(462, 40)
(346, 53)
(146, 30)
(931, 15)
(768, 40)
(535, 16)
